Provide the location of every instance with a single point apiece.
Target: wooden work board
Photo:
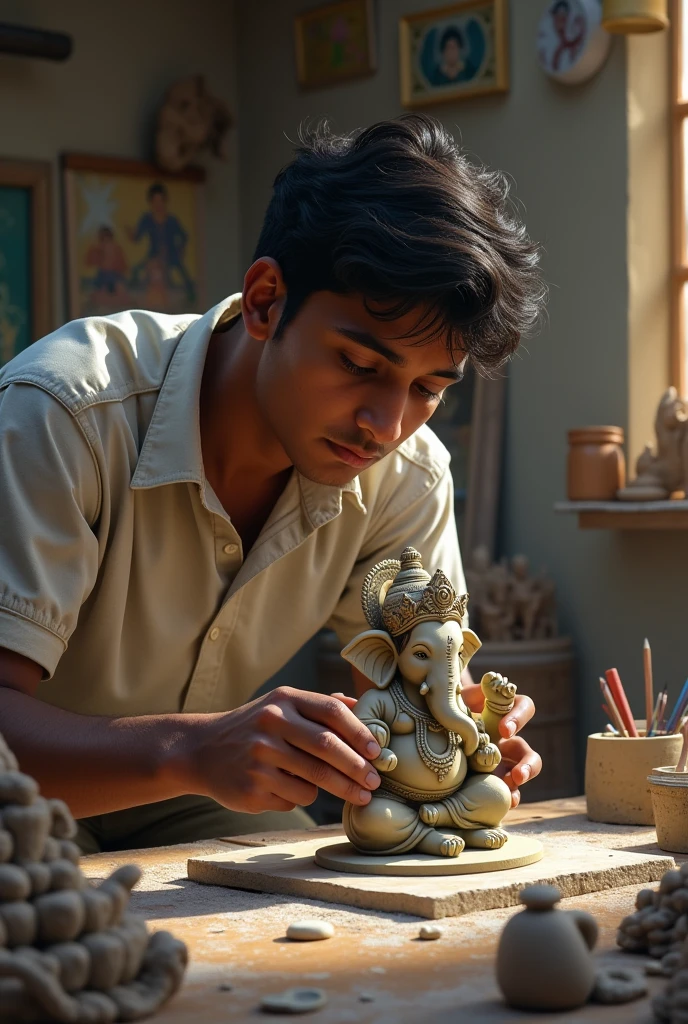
(574, 866)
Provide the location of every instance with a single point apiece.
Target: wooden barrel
(543, 669)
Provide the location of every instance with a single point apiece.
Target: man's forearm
(96, 764)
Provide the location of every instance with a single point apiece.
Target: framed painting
(134, 237)
(454, 52)
(25, 255)
(334, 43)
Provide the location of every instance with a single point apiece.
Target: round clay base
(516, 853)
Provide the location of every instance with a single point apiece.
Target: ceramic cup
(616, 771)
(669, 790)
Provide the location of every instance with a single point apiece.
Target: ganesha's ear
(471, 644)
(373, 653)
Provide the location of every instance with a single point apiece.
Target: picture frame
(334, 43)
(26, 283)
(134, 236)
(453, 53)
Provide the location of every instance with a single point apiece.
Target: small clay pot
(596, 466)
(543, 957)
(669, 790)
(616, 771)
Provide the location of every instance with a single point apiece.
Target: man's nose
(383, 417)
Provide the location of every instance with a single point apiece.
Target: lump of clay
(310, 930)
(70, 951)
(294, 1000)
(659, 925)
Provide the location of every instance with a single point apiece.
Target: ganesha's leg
(475, 811)
(388, 826)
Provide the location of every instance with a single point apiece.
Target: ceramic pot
(631, 16)
(596, 466)
(543, 957)
(616, 771)
(669, 790)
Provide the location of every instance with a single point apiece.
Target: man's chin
(327, 476)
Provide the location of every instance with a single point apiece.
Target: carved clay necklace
(440, 764)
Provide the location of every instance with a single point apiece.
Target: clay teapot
(543, 958)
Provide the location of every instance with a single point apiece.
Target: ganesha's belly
(411, 770)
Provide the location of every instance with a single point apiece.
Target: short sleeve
(428, 524)
(49, 501)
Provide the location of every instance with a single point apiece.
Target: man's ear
(373, 653)
(263, 298)
(471, 644)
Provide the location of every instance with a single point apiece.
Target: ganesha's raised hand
(498, 691)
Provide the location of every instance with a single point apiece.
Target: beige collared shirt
(120, 572)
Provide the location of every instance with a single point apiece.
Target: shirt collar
(171, 451)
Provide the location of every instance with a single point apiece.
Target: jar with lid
(596, 467)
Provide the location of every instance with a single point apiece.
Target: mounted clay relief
(439, 793)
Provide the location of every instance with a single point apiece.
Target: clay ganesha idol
(437, 757)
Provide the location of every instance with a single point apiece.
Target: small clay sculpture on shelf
(437, 758)
(70, 951)
(507, 603)
(661, 473)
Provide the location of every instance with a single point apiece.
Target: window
(679, 102)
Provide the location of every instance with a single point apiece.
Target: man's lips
(351, 456)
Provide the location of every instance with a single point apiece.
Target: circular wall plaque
(572, 45)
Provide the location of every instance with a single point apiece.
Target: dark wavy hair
(398, 214)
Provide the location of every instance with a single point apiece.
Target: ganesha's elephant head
(418, 633)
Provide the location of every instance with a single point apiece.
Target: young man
(186, 500)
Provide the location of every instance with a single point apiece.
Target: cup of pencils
(619, 761)
(669, 790)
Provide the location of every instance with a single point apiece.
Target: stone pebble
(430, 931)
(310, 930)
(294, 1000)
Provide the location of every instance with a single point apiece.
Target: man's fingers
(350, 702)
(522, 762)
(320, 773)
(330, 711)
(328, 748)
(522, 712)
(288, 789)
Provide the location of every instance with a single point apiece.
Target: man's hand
(275, 752)
(519, 761)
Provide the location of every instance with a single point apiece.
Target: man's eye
(352, 367)
(431, 396)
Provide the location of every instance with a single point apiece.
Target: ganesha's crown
(398, 595)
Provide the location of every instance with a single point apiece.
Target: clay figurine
(70, 951)
(507, 602)
(543, 957)
(189, 121)
(438, 793)
(658, 475)
(659, 925)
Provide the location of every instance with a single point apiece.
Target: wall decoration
(134, 237)
(572, 45)
(454, 52)
(190, 120)
(25, 255)
(335, 43)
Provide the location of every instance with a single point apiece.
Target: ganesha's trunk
(441, 700)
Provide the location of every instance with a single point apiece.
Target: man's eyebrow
(368, 340)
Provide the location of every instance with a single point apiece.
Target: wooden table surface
(237, 938)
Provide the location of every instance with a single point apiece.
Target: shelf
(628, 515)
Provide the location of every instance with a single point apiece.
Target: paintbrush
(679, 708)
(617, 692)
(649, 695)
(683, 759)
(614, 713)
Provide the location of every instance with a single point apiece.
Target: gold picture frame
(334, 43)
(26, 282)
(456, 52)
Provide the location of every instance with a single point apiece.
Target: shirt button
(230, 549)
(214, 633)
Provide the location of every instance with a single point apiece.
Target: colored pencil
(617, 691)
(615, 714)
(655, 714)
(649, 696)
(679, 708)
(683, 759)
(661, 724)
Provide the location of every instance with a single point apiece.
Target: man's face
(341, 389)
